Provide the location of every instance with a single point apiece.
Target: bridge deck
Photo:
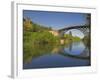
(73, 27)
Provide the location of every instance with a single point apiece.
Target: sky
(56, 20)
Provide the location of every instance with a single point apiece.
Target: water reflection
(45, 56)
(77, 48)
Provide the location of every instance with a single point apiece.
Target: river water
(74, 54)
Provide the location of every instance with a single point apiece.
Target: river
(74, 54)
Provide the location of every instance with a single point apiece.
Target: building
(54, 32)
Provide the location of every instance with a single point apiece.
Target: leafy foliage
(70, 37)
(33, 27)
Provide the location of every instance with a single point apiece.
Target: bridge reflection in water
(71, 55)
(76, 50)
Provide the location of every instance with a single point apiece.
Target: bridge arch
(75, 32)
(84, 29)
